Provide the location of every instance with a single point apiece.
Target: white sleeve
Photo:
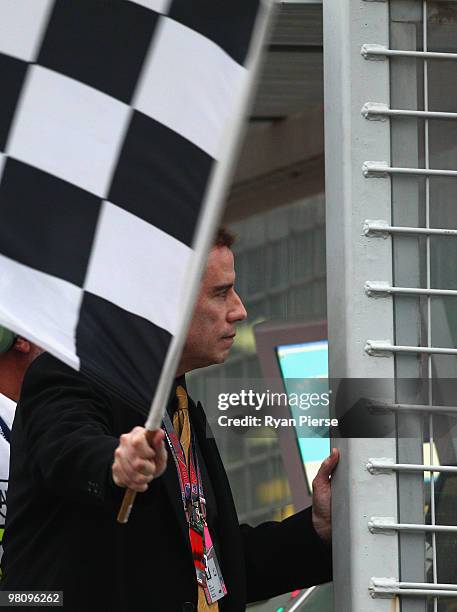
(7, 409)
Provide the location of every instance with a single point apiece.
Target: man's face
(216, 313)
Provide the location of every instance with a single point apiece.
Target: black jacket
(62, 534)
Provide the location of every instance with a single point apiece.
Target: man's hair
(224, 238)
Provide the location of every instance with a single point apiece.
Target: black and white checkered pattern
(112, 116)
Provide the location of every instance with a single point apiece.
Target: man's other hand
(137, 461)
(322, 496)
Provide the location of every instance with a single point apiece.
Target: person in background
(16, 354)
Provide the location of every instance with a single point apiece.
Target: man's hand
(136, 461)
(322, 497)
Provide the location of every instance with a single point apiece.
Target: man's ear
(21, 345)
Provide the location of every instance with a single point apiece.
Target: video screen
(299, 363)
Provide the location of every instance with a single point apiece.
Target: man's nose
(238, 311)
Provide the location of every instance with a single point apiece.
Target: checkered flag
(118, 122)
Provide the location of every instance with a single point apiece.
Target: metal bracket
(381, 524)
(373, 52)
(378, 348)
(375, 169)
(368, 230)
(375, 111)
(377, 289)
(375, 471)
(383, 587)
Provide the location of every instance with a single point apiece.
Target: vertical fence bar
(429, 298)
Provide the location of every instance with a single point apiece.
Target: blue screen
(298, 364)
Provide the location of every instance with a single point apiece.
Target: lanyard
(190, 480)
(206, 565)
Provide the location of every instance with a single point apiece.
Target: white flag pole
(209, 218)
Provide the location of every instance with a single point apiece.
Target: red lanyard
(190, 480)
(204, 557)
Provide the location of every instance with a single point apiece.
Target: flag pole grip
(130, 494)
(126, 506)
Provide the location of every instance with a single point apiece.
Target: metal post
(353, 259)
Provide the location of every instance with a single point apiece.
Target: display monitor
(289, 354)
(298, 363)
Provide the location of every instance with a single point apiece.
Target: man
(16, 354)
(66, 491)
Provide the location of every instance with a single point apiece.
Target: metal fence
(391, 163)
